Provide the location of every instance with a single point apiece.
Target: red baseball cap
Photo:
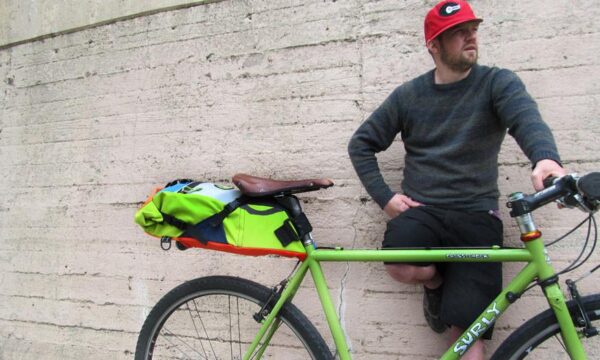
(445, 15)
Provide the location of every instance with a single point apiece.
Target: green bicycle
(221, 317)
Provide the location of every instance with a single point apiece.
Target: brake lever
(571, 201)
(581, 204)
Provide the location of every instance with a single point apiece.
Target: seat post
(292, 205)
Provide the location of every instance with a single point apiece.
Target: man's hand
(544, 169)
(399, 204)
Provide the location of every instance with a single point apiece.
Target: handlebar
(570, 191)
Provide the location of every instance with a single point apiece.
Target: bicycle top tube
(493, 254)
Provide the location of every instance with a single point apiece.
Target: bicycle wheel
(213, 318)
(539, 337)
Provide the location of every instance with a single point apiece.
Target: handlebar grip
(589, 185)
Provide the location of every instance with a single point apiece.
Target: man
(452, 121)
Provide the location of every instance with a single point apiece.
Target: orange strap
(191, 242)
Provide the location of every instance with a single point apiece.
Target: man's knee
(410, 274)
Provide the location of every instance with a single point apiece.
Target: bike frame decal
(475, 331)
(467, 256)
(487, 318)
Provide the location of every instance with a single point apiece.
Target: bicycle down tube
(537, 267)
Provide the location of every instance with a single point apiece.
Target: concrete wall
(92, 120)
(25, 20)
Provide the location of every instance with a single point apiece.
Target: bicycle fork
(547, 278)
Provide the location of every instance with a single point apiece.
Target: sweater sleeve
(374, 135)
(518, 112)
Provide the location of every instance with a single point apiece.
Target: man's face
(458, 46)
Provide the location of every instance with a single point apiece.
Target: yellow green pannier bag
(210, 216)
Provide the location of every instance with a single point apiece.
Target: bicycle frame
(534, 254)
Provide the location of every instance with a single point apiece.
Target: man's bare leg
(477, 350)
(411, 274)
(432, 298)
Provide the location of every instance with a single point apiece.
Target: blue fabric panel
(175, 188)
(204, 232)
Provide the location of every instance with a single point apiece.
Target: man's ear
(433, 46)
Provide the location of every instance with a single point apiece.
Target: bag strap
(214, 220)
(286, 234)
(178, 181)
(302, 225)
(172, 220)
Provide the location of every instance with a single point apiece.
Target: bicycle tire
(539, 337)
(178, 326)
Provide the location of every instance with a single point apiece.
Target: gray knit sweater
(452, 135)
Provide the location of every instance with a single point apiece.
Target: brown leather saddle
(255, 186)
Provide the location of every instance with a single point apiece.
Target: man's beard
(458, 63)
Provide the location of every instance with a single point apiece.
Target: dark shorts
(468, 288)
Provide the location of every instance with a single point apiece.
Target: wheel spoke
(205, 332)
(195, 327)
(166, 330)
(237, 301)
(230, 326)
(560, 342)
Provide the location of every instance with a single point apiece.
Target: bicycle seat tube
(292, 205)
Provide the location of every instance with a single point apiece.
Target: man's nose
(471, 35)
